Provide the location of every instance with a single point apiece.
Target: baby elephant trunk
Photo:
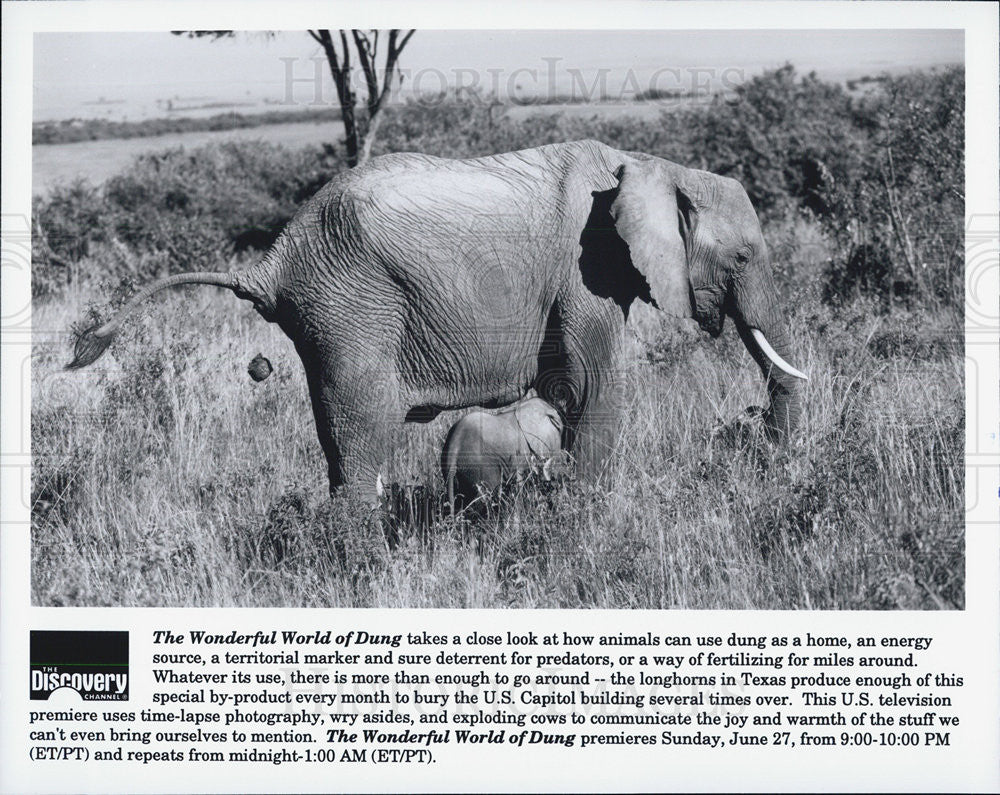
(484, 451)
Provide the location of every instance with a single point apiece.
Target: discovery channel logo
(93, 663)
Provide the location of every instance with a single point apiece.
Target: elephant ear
(654, 217)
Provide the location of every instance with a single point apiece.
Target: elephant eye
(742, 257)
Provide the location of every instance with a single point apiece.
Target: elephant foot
(359, 493)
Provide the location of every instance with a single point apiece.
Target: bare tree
(359, 142)
(359, 135)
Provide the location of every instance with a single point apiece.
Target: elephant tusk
(772, 354)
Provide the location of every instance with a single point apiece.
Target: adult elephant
(415, 284)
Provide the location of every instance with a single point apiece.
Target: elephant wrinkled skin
(415, 284)
(483, 451)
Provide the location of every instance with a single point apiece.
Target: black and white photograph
(499, 319)
(475, 397)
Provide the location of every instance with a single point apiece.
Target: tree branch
(391, 59)
(366, 44)
(406, 38)
(339, 70)
(366, 56)
(366, 148)
(347, 52)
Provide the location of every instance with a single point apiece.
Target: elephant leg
(597, 428)
(362, 440)
(581, 377)
(358, 421)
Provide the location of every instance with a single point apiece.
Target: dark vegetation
(191, 471)
(71, 131)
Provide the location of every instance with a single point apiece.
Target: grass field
(164, 476)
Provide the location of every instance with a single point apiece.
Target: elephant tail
(96, 339)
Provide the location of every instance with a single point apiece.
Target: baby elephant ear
(651, 216)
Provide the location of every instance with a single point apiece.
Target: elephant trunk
(783, 389)
(764, 331)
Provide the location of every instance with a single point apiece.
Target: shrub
(65, 225)
(785, 139)
(905, 207)
(197, 205)
(173, 210)
(74, 130)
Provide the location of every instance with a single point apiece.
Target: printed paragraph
(362, 696)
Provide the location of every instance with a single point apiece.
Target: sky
(142, 75)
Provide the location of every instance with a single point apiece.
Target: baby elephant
(484, 451)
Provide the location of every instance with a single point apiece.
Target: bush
(175, 210)
(65, 225)
(197, 205)
(785, 139)
(905, 206)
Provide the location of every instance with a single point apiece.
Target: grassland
(77, 130)
(164, 476)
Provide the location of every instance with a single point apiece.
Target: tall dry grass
(165, 476)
